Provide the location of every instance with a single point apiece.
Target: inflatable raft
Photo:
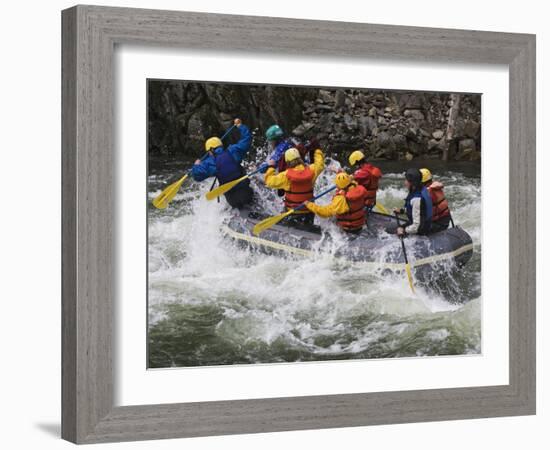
(374, 247)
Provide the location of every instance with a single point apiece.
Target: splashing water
(212, 302)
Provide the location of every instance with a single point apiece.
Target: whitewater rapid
(212, 302)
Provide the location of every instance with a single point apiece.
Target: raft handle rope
(394, 266)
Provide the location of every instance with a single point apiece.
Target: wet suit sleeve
(337, 206)
(239, 150)
(279, 151)
(416, 215)
(318, 163)
(205, 169)
(276, 181)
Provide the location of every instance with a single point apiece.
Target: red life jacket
(355, 218)
(368, 176)
(440, 205)
(301, 188)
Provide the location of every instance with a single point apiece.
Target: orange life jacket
(368, 176)
(301, 188)
(355, 218)
(440, 205)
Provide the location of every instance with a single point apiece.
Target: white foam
(301, 301)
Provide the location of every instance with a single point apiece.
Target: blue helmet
(274, 132)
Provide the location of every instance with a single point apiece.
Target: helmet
(356, 156)
(414, 176)
(342, 180)
(274, 132)
(212, 143)
(426, 175)
(291, 154)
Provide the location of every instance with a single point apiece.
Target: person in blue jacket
(418, 206)
(225, 164)
(276, 139)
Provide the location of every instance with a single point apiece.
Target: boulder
(416, 148)
(467, 151)
(400, 142)
(471, 129)
(382, 120)
(464, 155)
(351, 122)
(414, 114)
(424, 133)
(384, 139)
(432, 143)
(301, 129)
(438, 134)
(411, 134)
(379, 102)
(366, 125)
(340, 98)
(325, 96)
(323, 107)
(466, 144)
(325, 122)
(413, 100)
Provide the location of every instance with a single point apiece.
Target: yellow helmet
(342, 180)
(357, 155)
(212, 143)
(291, 154)
(426, 175)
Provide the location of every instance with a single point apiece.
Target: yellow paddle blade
(410, 277)
(215, 193)
(381, 208)
(165, 197)
(269, 222)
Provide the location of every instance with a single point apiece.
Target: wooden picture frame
(90, 34)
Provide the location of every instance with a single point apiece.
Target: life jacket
(425, 209)
(372, 174)
(355, 218)
(227, 169)
(301, 188)
(440, 204)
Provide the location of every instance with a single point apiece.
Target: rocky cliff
(385, 124)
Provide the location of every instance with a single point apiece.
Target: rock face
(182, 115)
(385, 124)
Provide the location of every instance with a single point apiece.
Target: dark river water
(212, 302)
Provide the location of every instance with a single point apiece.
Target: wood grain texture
(68, 225)
(89, 36)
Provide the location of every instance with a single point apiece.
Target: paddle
(407, 265)
(387, 215)
(162, 200)
(220, 190)
(213, 185)
(270, 221)
(382, 209)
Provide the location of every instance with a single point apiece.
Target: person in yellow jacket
(297, 181)
(348, 204)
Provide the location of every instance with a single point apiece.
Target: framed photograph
(268, 230)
